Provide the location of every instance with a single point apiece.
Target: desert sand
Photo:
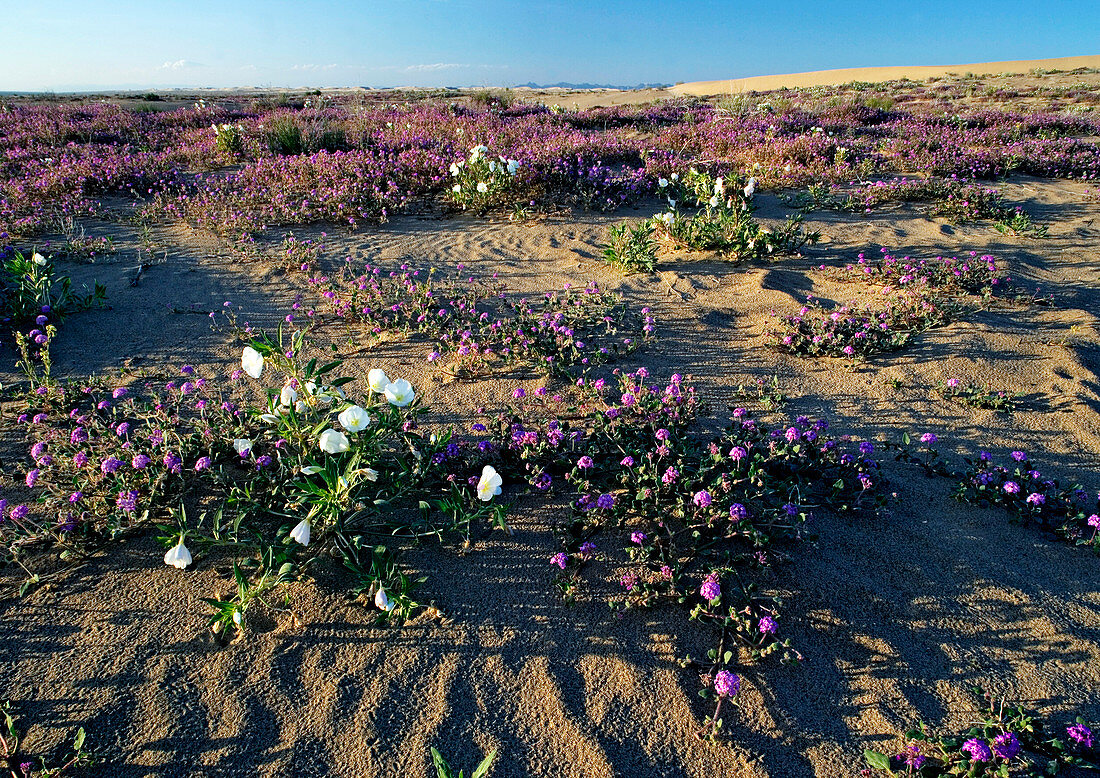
(879, 74)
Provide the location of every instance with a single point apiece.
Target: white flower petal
(252, 361)
(300, 533)
(333, 442)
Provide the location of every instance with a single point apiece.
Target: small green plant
(20, 765)
(725, 223)
(977, 397)
(1017, 222)
(632, 249)
(274, 567)
(30, 288)
(444, 770)
(229, 139)
(481, 181)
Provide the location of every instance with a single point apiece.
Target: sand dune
(843, 76)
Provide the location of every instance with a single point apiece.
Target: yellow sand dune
(843, 76)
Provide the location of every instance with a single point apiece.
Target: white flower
(719, 185)
(301, 532)
(382, 601)
(513, 166)
(713, 202)
(456, 188)
(750, 187)
(662, 182)
(237, 618)
(270, 418)
(288, 396)
(454, 169)
(370, 474)
(492, 167)
(399, 393)
(301, 406)
(38, 259)
(377, 380)
(489, 485)
(354, 419)
(333, 442)
(482, 187)
(252, 361)
(675, 176)
(311, 470)
(178, 556)
(242, 446)
(672, 204)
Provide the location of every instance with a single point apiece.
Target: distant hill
(570, 85)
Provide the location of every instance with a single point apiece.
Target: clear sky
(86, 44)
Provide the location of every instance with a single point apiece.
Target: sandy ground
(896, 617)
(878, 74)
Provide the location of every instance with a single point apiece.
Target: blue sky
(67, 44)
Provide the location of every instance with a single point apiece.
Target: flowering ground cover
(332, 443)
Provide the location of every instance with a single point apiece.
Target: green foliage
(444, 770)
(481, 181)
(229, 139)
(29, 287)
(293, 134)
(631, 248)
(977, 396)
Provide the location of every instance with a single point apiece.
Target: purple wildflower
(726, 684)
(978, 750)
(710, 590)
(1005, 746)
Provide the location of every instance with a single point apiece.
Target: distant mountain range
(570, 85)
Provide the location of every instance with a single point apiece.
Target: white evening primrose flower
(178, 556)
(750, 187)
(399, 393)
(38, 259)
(454, 169)
(482, 187)
(370, 474)
(242, 446)
(488, 486)
(513, 166)
(377, 380)
(662, 182)
(333, 442)
(354, 419)
(382, 601)
(456, 188)
(269, 418)
(713, 202)
(672, 203)
(719, 186)
(288, 396)
(492, 166)
(300, 533)
(252, 361)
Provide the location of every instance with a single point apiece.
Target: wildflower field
(396, 433)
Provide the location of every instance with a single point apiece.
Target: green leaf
(78, 741)
(483, 768)
(442, 769)
(877, 760)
